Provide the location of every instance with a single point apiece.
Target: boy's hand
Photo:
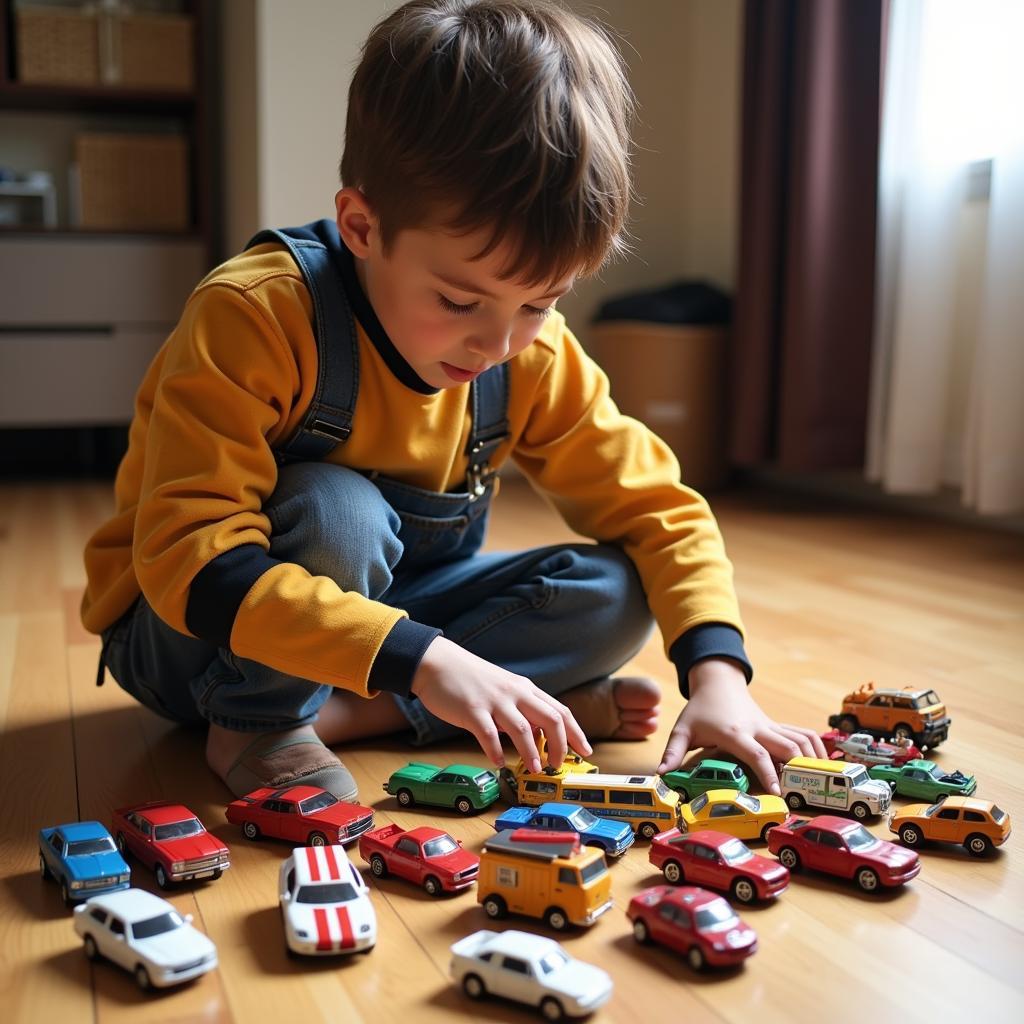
(721, 713)
(482, 698)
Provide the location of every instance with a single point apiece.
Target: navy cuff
(400, 655)
(710, 640)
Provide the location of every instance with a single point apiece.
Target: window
(116, 926)
(519, 966)
(99, 916)
(290, 881)
(703, 852)
(157, 925)
(566, 876)
(179, 829)
(838, 782)
(318, 802)
(444, 778)
(407, 846)
(440, 846)
(287, 807)
(831, 840)
(812, 835)
(326, 892)
(485, 958)
(57, 843)
(460, 780)
(543, 788)
(706, 773)
(508, 877)
(272, 805)
(643, 799)
(590, 796)
(973, 816)
(145, 827)
(949, 814)
(725, 810)
(621, 796)
(667, 911)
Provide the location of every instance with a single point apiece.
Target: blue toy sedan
(614, 837)
(82, 859)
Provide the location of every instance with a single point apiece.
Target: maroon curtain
(805, 295)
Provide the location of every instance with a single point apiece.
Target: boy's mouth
(458, 374)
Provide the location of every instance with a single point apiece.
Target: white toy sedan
(529, 969)
(325, 903)
(145, 935)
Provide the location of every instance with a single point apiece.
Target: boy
(313, 452)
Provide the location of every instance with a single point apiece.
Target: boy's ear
(357, 223)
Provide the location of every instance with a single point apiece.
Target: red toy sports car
(719, 861)
(427, 856)
(171, 841)
(865, 749)
(845, 848)
(300, 814)
(697, 923)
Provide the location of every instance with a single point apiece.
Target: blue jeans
(560, 615)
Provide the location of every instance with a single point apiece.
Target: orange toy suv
(917, 714)
(977, 824)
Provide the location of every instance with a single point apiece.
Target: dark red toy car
(845, 848)
(718, 861)
(301, 814)
(699, 924)
(171, 841)
(427, 856)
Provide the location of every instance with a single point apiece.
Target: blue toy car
(614, 837)
(82, 859)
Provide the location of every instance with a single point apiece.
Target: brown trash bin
(671, 377)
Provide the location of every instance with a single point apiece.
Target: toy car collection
(528, 969)
(718, 861)
(838, 846)
(543, 874)
(738, 814)
(697, 923)
(710, 773)
(910, 713)
(977, 825)
(145, 935)
(325, 903)
(83, 860)
(835, 785)
(613, 837)
(301, 814)
(427, 856)
(924, 780)
(171, 841)
(461, 786)
(863, 748)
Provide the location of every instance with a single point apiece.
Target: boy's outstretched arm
(721, 713)
(482, 698)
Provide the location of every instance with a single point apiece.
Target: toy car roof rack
(538, 844)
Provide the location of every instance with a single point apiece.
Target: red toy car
(427, 856)
(697, 923)
(722, 862)
(865, 749)
(842, 847)
(171, 841)
(300, 814)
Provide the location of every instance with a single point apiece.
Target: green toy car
(924, 780)
(704, 775)
(462, 786)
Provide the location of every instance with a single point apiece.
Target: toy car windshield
(582, 819)
(699, 803)
(83, 847)
(157, 925)
(749, 803)
(329, 892)
(859, 838)
(439, 846)
(594, 869)
(317, 803)
(926, 699)
(998, 815)
(661, 789)
(179, 829)
(484, 779)
(553, 961)
(735, 852)
(717, 915)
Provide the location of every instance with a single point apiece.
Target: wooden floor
(832, 598)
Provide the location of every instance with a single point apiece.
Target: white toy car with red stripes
(325, 903)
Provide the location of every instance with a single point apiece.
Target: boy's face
(449, 316)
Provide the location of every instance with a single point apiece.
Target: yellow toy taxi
(737, 814)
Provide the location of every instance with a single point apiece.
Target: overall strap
(488, 428)
(328, 420)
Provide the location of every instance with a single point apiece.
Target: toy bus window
(950, 814)
(973, 816)
(99, 916)
(643, 798)
(56, 842)
(544, 788)
(407, 846)
(566, 876)
(724, 810)
(508, 876)
(519, 966)
(117, 926)
(621, 796)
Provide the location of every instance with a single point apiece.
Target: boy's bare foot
(346, 717)
(247, 761)
(615, 708)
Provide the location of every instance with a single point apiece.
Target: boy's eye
(537, 312)
(453, 307)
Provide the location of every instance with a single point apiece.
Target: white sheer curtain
(947, 395)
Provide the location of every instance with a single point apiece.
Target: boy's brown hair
(508, 115)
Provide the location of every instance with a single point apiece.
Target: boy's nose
(493, 347)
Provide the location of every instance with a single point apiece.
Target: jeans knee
(623, 608)
(334, 522)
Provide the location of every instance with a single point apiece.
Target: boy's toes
(620, 708)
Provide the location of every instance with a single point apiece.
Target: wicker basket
(151, 51)
(133, 182)
(57, 46)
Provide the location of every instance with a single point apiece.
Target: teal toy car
(462, 786)
(704, 775)
(924, 780)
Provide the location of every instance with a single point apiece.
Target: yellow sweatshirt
(236, 376)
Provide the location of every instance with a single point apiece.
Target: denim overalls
(560, 615)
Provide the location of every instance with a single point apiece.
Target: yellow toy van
(543, 874)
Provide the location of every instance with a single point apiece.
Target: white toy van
(835, 785)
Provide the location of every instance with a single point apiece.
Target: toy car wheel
(432, 886)
(317, 839)
(464, 805)
(555, 917)
(251, 830)
(640, 931)
(44, 871)
(848, 724)
(789, 858)
(744, 890)
(495, 907)
(473, 987)
(161, 877)
(795, 801)
(378, 867)
(404, 798)
(695, 958)
(216, 875)
(867, 880)
(91, 950)
(551, 1008)
(142, 978)
(766, 830)
(978, 845)
(65, 894)
(648, 830)
(910, 835)
(860, 811)
(903, 732)
(122, 844)
(673, 872)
